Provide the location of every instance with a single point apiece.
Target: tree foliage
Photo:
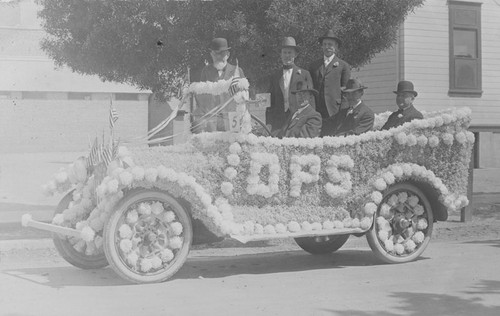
(150, 43)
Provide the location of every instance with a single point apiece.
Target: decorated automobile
(136, 211)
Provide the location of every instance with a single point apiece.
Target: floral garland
(259, 172)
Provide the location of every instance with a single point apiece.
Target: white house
(450, 50)
(44, 109)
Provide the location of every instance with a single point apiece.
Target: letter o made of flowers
(298, 176)
(255, 183)
(339, 176)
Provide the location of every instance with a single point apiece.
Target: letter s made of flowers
(340, 178)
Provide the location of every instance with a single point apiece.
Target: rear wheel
(403, 225)
(75, 250)
(148, 237)
(321, 245)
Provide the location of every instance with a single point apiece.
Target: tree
(150, 43)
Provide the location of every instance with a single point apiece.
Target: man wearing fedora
(329, 74)
(405, 95)
(354, 120)
(303, 121)
(288, 75)
(219, 69)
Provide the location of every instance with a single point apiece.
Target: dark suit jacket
(344, 123)
(209, 73)
(328, 82)
(306, 124)
(275, 114)
(402, 116)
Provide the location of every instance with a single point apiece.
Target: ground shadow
(492, 243)
(58, 277)
(416, 304)
(274, 262)
(204, 267)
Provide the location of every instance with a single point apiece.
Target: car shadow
(204, 266)
(273, 262)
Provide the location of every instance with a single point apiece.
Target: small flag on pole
(113, 116)
(233, 87)
(106, 156)
(93, 158)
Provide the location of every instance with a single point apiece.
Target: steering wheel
(259, 128)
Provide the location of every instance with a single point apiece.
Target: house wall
(422, 56)
(66, 125)
(35, 112)
(381, 77)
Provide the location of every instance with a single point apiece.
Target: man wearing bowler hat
(329, 74)
(302, 121)
(287, 76)
(220, 69)
(354, 120)
(405, 95)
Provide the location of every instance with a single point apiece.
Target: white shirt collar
(328, 60)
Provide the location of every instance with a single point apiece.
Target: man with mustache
(219, 69)
(281, 83)
(405, 95)
(329, 74)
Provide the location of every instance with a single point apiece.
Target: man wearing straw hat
(354, 120)
(405, 95)
(329, 74)
(287, 76)
(220, 69)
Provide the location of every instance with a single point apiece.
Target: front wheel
(148, 237)
(74, 250)
(321, 245)
(403, 224)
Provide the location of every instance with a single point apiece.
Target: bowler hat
(288, 42)
(353, 85)
(406, 86)
(300, 88)
(219, 44)
(332, 35)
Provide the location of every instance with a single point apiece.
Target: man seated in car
(303, 120)
(356, 119)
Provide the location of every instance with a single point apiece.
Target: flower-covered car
(137, 214)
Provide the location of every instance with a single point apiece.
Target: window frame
(453, 26)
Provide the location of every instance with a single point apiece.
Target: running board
(315, 233)
(27, 221)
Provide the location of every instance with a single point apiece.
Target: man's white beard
(219, 65)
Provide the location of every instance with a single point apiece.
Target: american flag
(94, 154)
(233, 87)
(113, 117)
(106, 155)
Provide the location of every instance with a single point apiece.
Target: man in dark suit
(303, 121)
(354, 120)
(329, 74)
(220, 69)
(280, 82)
(405, 95)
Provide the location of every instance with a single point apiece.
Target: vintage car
(140, 212)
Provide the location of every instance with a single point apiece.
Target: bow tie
(286, 67)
